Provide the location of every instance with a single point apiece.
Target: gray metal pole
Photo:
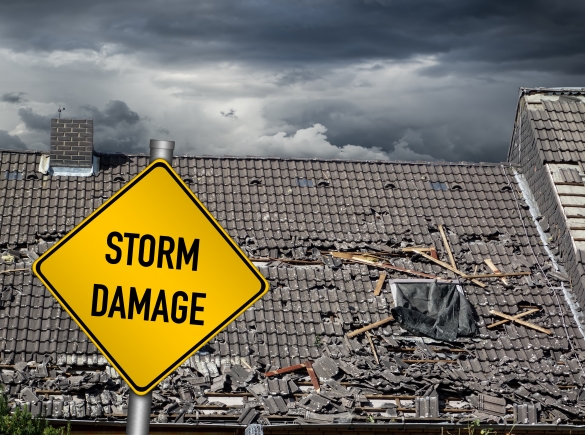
(162, 149)
(138, 420)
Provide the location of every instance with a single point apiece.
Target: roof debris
(321, 347)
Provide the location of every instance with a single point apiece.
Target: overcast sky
(369, 79)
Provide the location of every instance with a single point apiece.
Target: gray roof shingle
(315, 301)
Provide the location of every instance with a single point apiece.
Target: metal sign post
(138, 419)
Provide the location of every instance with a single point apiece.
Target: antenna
(60, 110)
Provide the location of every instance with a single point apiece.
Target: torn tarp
(435, 309)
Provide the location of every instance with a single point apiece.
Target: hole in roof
(13, 175)
(390, 186)
(324, 183)
(438, 186)
(456, 187)
(303, 182)
(119, 178)
(32, 177)
(255, 181)
(506, 188)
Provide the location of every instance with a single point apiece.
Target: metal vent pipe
(162, 149)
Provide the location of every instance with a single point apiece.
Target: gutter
(237, 428)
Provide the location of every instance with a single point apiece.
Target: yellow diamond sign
(150, 276)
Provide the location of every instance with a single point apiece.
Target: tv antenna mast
(60, 110)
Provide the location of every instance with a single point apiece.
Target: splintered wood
(447, 247)
(517, 316)
(380, 284)
(494, 269)
(521, 322)
(370, 326)
(496, 275)
(449, 267)
(373, 347)
(306, 365)
(374, 261)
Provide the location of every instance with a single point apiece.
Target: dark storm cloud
(115, 113)
(13, 97)
(513, 34)
(498, 45)
(34, 121)
(117, 128)
(8, 141)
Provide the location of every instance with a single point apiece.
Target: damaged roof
(293, 217)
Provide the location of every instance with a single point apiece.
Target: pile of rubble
(410, 379)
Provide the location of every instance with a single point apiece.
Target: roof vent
(72, 148)
(255, 181)
(390, 186)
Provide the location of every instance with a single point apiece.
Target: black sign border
(157, 164)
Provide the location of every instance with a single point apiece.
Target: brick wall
(71, 143)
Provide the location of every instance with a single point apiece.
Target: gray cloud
(229, 114)
(8, 141)
(442, 77)
(34, 121)
(117, 128)
(116, 112)
(13, 97)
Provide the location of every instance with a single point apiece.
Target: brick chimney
(71, 146)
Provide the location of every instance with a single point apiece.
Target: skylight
(439, 186)
(303, 182)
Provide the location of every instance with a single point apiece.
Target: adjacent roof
(548, 146)
(288, 214)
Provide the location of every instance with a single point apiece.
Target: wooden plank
(522, 322)
(516, 316)
(384, 265)
(346, 255)
(373, 348)
(496, 275)
(370, 326)
(494, 269)
(285, 370)
(12, 270)
(417, 249)
(380, 283)
(449, 267)
(313, 376)
(447, 247)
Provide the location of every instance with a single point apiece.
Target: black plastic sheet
(434, 309)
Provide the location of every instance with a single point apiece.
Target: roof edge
(310, 159)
